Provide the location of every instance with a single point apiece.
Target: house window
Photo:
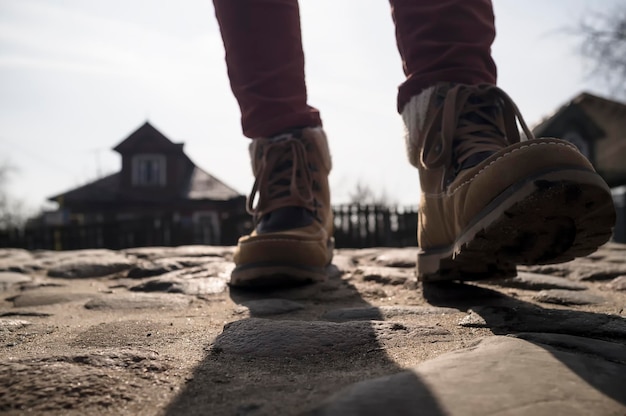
(149, 170)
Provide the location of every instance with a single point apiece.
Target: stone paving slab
(498, 375)
(157, 331)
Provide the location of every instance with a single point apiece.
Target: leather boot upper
(290, 199)
(465, 142)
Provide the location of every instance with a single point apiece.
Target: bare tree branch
(364, 194)
(11, 209)
(603, 44)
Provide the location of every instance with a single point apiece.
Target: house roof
(574, 114)
(568, 116)
(101, 190)
(596, 125)
(147, 137)
(196, 183)
(201, 186)
(206, 186)
(613, 105)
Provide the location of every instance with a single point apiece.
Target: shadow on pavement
(265, 363)
(505, 315)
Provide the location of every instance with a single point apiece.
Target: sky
(78, 76)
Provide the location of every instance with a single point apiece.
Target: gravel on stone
(83, 265)
(497, 376)
(13, 324)
(41, 298)
(158, 267)
(584, 269)
(180, 251)
(162, 333)
(256, 337)
(268, 307)
(568, 297)
(172, 284)
(398, 258)
(619, 283)
(503, 319)
(383, 312)
(384, 275)
(535, 281)
(8, 279)
(137, 301)
(60, 384)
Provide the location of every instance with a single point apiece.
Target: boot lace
(283, 178)
(475, 120)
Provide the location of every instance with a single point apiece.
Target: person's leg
(491, 199)
(266, 64)
(443, 40)
(292, 240)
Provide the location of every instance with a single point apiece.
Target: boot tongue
(486, 137)
(289, 217)
(283, 177)
(285, 218)
(472, 161)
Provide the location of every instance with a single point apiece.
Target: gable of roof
(571, 115)
(196, 184)
(147, 138)
(203, 185)
(606, 103)
(200, 185)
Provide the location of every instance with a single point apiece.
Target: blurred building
(159, 197)
(597, 126)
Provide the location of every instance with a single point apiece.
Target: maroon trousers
(438, 40)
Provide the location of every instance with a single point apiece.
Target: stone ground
(157, 331)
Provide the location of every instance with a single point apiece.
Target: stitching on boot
(468, 181)
(504, 155)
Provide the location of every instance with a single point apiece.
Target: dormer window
(149, 170)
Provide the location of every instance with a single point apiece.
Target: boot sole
(551, 218)
(278, 274)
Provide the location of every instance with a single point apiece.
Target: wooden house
(597, 126)
(158, 186)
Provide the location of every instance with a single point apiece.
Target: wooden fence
(142, 232)
(356, 226)
(359, 226)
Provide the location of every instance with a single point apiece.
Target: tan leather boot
(292, 242)
(491, 199)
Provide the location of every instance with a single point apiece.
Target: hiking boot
(292, 241)
(492, 199)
